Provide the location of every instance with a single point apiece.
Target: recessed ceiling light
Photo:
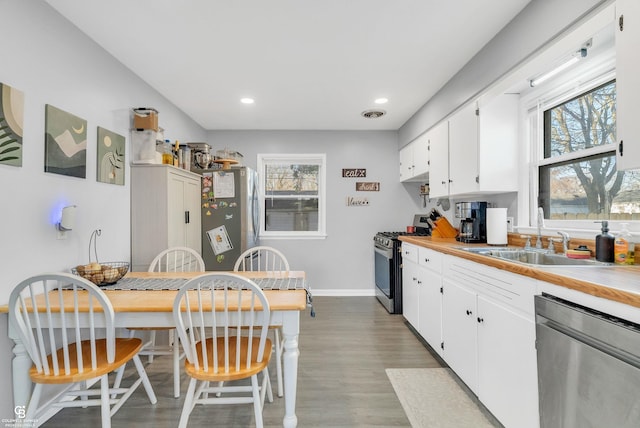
(381, 101)
(373, 114)
(247, 100)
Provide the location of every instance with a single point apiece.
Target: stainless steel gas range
(388, 263)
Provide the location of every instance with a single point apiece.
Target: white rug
(431, 398)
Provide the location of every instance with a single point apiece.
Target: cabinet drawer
(430, 259)
(409, 252)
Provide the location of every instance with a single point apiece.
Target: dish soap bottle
(605, 244)
(621, 245)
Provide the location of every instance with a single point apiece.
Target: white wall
(53, 63)
(343, 262)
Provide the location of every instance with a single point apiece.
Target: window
(293, 195)
(578, 178)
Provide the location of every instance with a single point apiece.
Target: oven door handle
(386, 252)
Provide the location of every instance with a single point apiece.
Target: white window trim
(535, 103)
(316, 158)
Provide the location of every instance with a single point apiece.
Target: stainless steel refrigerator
(230, 215)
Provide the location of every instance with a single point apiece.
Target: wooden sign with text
(354, 172)
(367, 187)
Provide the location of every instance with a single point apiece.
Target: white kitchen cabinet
(627, 83)
(430, 297)
(488, 331)
(459, 332)
(410, 286)
(478, 153)
(414, 160)
(507, 369)
(438, 137)
(165, 212)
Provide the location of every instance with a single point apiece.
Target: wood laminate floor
(344, 352)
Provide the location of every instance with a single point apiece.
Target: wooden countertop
(617, 283)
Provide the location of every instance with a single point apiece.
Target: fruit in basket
(110, 274)
(94, 266)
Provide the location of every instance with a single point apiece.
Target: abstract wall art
(11, 125)
(65, 143)
(110, 157)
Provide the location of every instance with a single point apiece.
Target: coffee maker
(473, 221)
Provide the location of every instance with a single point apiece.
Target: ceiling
(308, 65)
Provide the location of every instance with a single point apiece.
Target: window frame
(319, 159)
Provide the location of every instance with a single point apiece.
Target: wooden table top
(162, 300)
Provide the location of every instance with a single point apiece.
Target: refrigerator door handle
(186, 217)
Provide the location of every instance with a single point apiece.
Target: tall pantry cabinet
(165, 212)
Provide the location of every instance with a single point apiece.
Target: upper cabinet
(414, 160)
(480, 153)
(628, 83)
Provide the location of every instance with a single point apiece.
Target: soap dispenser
(605, 243)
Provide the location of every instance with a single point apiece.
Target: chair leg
(145, 379)
(188, 404)
(34, 401)
(279, 348)
(257, 406)
(105, 405)
(118, 379)
(175, 344)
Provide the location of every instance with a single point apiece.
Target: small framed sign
(367, 187)
(354, 172)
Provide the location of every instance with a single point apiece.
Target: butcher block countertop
(617, 283)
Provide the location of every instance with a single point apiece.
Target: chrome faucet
(565, 241)
(540, 226)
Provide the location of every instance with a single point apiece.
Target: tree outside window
(578, 176)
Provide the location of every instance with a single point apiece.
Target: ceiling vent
(373, 114)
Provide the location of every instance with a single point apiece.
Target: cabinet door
(406, 163)
(430, 308)
(410, 294)
(421, 156)
(439, 160)
(463, 151)
(507, 370)
(193, 232)
(628, 83)
(459, 332)
(176, 191)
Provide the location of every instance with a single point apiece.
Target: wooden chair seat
(233, 374)
(126, 349)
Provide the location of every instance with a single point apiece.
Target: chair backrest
(217, 306)
(262, 258)
(48, 311)
(177, 259)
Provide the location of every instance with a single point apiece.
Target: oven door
(383, 270)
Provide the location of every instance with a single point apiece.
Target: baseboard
(354, 292)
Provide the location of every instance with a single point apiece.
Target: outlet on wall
(509, 224)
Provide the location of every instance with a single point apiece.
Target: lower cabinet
(488, 333)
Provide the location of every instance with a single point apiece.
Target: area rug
(431, 398)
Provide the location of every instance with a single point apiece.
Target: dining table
(145, 299)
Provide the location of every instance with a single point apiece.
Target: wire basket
(102, 273)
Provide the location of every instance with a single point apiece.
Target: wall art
(11, 125)
(362, 186)
(111, 157)
(354, 172)
(65, 146)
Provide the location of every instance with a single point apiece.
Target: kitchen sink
(531, 257)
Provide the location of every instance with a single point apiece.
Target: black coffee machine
(473, 222)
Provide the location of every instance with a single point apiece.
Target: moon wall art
(65, 143)
(11, 124)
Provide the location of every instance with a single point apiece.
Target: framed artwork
(110, 157)
(11, 124)
(65, 146)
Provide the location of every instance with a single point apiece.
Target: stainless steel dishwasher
(588, 367)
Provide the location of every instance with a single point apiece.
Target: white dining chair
(222, 320)
(66, 325)
(265, 258)
(176, 259)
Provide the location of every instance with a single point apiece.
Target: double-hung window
(292, 195)
(578, 179)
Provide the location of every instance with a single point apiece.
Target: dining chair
(175, 259)
(222, 320)
(66, 325)
(265, 258)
